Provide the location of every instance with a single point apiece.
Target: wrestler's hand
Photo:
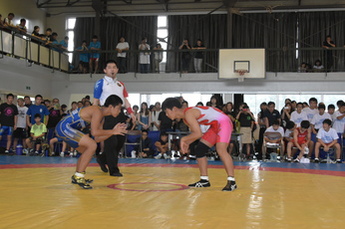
(120, 129)
(184, 146)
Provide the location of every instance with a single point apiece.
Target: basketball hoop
(241, 73)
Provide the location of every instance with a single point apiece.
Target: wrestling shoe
(230, 186)
(200, 184)
(81, 181)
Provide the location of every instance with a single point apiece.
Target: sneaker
(200, 184)
(25, 151)
(81, 182)
(7, 151)
(296, 160)
(75, 153)
(159, 156)
(289, 159)
(339, 161)
(166, 156)
(71, 154)
(316, 160)
(36, 153)
(31, 152)
(230, 186)
(62, 154)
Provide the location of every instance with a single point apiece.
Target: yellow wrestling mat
(156, 197)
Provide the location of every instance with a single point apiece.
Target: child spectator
(51, 147)
(37, 108)
(339, 121)
(298, 115)
(94, 46)
(316, 122)
(318, 67)
(303, 67)
(64, 44)
(162, 146)
(38, 131)
(327, 138)
(8, 120)
(276, 128)
(311, 110)
(8, 22)
(83, 57)
(21, 27)
(330, 111)
(301, 140)
(145, 147)
(288, 134)
(21, 131)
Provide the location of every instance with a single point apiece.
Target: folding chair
(131, 141)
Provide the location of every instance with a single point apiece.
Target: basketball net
(241, 74)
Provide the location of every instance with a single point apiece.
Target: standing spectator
(328, 44)
(158, 56)
(331, 110)
(83, 57)
(1, 22)
(27, 101)
(47, 36)
(64, 43)
(54, 42)
(105, 87)
(21, 131)
(261, 122)
(122, 47)
(246, 120)
(21, 26)
(199, 56)
(94, 46)
(286, 114)
(214, 102)
(317, 121)
(143, 117)
(8, 22)
(54, 118)
(339, 121)
(312, 109)
(8, 120)
(155, 115)
(144, 56)
(185, 56)
(37, 108)
(298, 115)
(271, 114)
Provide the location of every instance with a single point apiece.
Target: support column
(229, 27)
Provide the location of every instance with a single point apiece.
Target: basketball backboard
(233, 61)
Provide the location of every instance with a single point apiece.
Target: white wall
(24, 9)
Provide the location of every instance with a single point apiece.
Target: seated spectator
(318, 67)
(64, 44)
(51, 147)
(288, 134)
(162, 146)
(303, 67)
(21, 27)
(94, 46)
(316, 122)
(38, 132)
(298, 115)
(275, 128)
(327, 138)
(301, 140)
(146, 151)
(83, 57)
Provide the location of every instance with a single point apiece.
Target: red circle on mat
(179, 187)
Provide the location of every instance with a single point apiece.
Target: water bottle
(19, 150)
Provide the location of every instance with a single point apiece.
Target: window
(162, 34)
(70, 24)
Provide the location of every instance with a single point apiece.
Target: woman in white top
(144, 57)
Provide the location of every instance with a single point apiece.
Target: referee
(105, 87)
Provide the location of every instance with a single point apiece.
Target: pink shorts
(220, 132)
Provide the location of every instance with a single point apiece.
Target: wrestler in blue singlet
(68, 129)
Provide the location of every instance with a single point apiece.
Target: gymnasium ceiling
(55, 7)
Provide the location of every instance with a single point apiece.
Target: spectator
(305, 105)
(261, 122)
(155, 115)
(276, 128)
(328, 44)
(180, 126)
(74, 106)
(228, 109)
(271, 114)
(317, 121)
(8, 22)
(80, 104)
(162, 146)
(144, 117)
(312, 109)
(288, 134)
(298, 115)
(339, 121)
(8, 120)
(185, 56)
(339, 103)
(303, 67)
(64, 44)
(158, 56)
(54, 42)
(54, 117)
(21, 131)
(94, 46)
(199, 56)
(214, 102)
(246, 120)
(21, 26)
(144, 56)
(327, 138)
(165, 123)
(38, 131)
(301, 140)
(37, 108)
(318, 67)
(286, 114)
(51, 147)
(293, 105)
(36, 34)
(146, 151)
(122, 47)
(331, 110)
(83, 57)
(27, 101)
(1, 22)
(47, 35)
